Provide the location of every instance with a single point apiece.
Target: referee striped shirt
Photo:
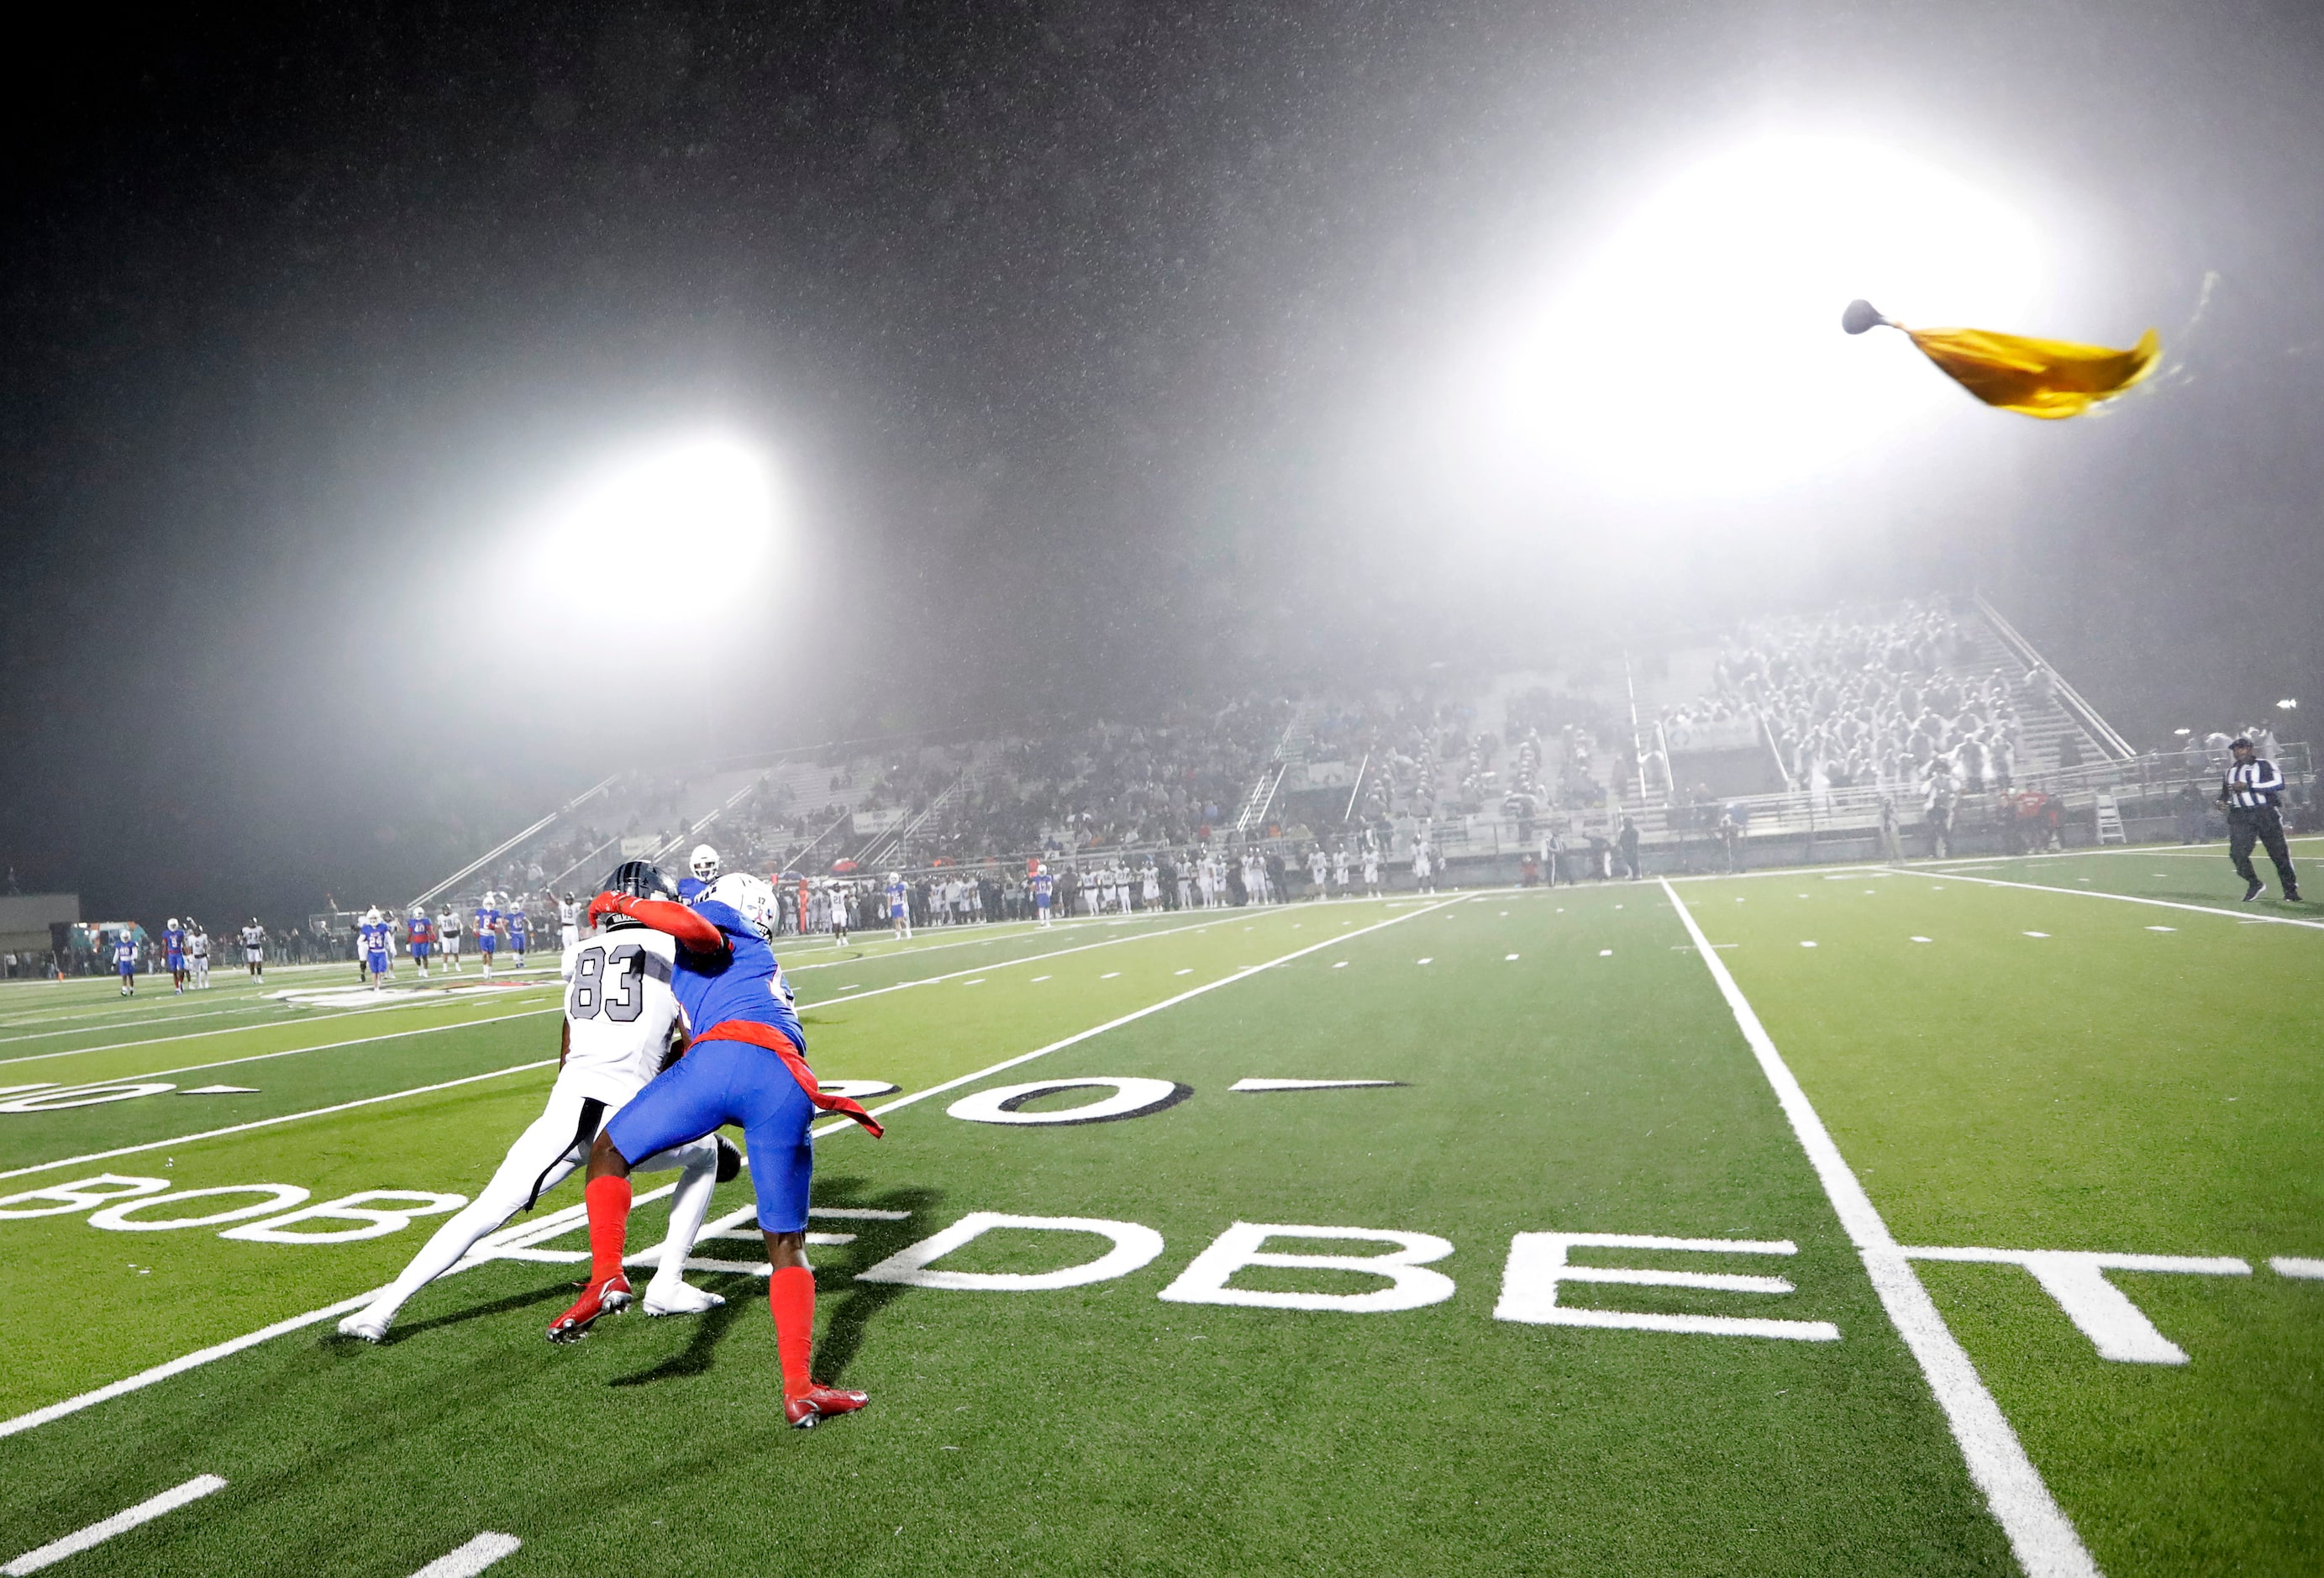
(2251, 785)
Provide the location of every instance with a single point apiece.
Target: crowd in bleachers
(1858, 698)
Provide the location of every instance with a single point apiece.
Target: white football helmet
(373, 914)
(752, 898)
(704, 864)
(173, 923)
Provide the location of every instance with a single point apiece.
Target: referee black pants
(2263, 824)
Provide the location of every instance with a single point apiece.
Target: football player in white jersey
(1317, 863)
(1340, 870)
(569, 920)
(253, 949)
(202, 950)
(618, 1016)
(1371, 871)
(447, 936)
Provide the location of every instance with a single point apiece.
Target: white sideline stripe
(2039, 1534)
(2132, 898)
(238, 1030)
(2293, 1266)
(322, 1047)
(990, 965)
(472, 1558)
(97, 1534)
(1114, 1024)
(74, 1161)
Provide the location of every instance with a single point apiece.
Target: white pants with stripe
(545, 1152)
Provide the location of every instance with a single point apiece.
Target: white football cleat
(364, 1323)
(678, 1298)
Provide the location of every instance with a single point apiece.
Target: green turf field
(1880, 1119)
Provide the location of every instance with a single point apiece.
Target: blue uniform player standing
(378, 942)
(124, 960)
(173, 946)
(487, 925)
(746, 1065)
(1042, 884)
(421, 932)
(518, 933)
(900, 907)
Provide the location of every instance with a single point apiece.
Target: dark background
(1066, 318)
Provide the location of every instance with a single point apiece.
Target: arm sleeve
(2269, 776)
(693, 932)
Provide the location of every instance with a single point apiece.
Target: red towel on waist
(782, 1047)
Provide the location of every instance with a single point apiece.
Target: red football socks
(790, 1296)
(609, 1226)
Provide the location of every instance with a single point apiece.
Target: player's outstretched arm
(693, 932)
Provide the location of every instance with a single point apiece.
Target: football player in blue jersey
(379, 944)
(518, 931)
(124, 960)
(487, 928)
(1042, 885)
(746, 1065)
(419, 932)
(702, 869)
(173, 945)
(900, 907)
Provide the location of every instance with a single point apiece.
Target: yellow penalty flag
(2050, 379)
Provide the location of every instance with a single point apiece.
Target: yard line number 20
(612, 981)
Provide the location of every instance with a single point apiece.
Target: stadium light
(2182, 731)
(2289, 704)
(1696, 349)
(693, 516)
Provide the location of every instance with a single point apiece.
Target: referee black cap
(2243, 745)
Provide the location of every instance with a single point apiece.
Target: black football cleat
(2255, 891)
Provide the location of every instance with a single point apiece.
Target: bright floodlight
(2289, 704)
(693, 517)
(1696, 350)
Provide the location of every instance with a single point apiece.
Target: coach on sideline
(2249, 792)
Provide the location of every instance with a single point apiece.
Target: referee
(2249, 792)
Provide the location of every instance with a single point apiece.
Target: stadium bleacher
(1806, 736)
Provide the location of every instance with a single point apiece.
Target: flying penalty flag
(2050, 379)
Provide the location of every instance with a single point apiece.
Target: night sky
(1092, 342)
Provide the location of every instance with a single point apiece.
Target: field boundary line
(2131, 899)
(1245, 973)
(2039, 1534)
(74, 1161)
(166, 1019)
(347, 1013)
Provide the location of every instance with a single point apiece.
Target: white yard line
(321, 1046)
(554, 1224)
(2131, 899)
(983, 965)
(74, 1161)
(472, 1558)
(995, 931)
(239, 1029)
(126, 1024)
(97, 1534)
(1244, 973)
(2039, 1532)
